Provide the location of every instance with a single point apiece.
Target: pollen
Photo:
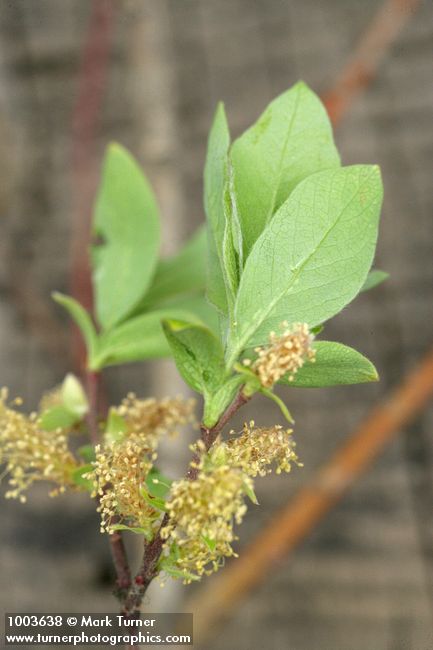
(119, 476)
(202, 514)
(32, 454)
(285, 354)
(257, 450)
(152, 418)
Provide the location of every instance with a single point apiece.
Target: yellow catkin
(257, 450)
(121, 467)
(154, 418)
(285, 354)
(119, 476)
(202, 514)
(32, 454)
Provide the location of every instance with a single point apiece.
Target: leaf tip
(117, 153)
(220, 115)
(115, 147)
(173, 325)
(59, 297)
(376, 173)
(301, 85)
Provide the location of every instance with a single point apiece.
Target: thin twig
(152, 550)
(121, 565)
(363, 65)
(85, 125)
(86, 120)
(209, 435)
(290, 526)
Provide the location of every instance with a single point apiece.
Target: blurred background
(77, 74)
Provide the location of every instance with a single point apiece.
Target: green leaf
(87, 453)
(217, 403)
(313, 257)
(249, 491)
(173, 553)
(215, 184)
(199, 358)
(181, 274)
(78, 477)
(195, 304)
(134, 529)
(174, 572)
(70, 410)
(140, 338)
(231, 254)
(210, 543)
(250, 380)
(215, 457)
(158, 485)
(57, 417)
(198, 355)
(126, 218)
(73, 396)
(154, 502)
(335, 365)
(202, 309)
(115, 427)
(82, 319)
(290, 141)
(374, 278)
(168, 563)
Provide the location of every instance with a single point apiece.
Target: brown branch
(92, 78)
(147, 572)
(209, 435)
(290, 526)
(362, 67)
(121, 565)
(152, 550)
(86, 119)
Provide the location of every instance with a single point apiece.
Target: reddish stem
(209, 435)
(86, 120)
(121, 565)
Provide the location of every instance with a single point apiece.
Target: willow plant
(289, 242)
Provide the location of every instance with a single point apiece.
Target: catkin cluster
(285, 354)
(119, 475)
(152, 418)
(121, 467)
(32, 454)
(257, 449)
(202, 514)
(204, 511)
